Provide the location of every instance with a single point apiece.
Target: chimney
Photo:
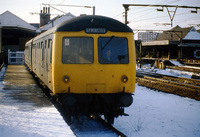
(45, 16)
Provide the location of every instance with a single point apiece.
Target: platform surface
(25, 111)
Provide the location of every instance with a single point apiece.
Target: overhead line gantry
(126, 7)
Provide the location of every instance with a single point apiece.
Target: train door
(37, 57)
(44, 61)
(48, 63)
(43, 55)
(33, 57)
(35, 62)
(41, 71)
(31, 48)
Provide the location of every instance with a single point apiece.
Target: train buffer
(24, 108)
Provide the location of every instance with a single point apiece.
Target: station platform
(25, 111)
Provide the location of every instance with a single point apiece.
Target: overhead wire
(49, 2)
(140, 10)
(164, 1)
(149, 10)
(62, 2)
(56, 5)
(180, 14)
(117, 15)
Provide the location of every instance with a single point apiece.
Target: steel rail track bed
(176, 85)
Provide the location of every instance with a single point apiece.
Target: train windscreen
(77, 50)
(113, 50)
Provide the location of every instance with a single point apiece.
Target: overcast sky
(142, 18)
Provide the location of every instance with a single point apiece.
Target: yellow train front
(93, 66)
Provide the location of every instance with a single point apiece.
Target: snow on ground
(44, 122)
(29, 113)
(176, 63)
(158, 114)
(171, 72)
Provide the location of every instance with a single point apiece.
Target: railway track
(119, 133)
(90, 126)
(176, 85)
(85, 126)
(185, 68)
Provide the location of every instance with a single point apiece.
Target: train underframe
(109, 105)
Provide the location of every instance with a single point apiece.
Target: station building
(181, 44)
(14, 32)
(147, 36)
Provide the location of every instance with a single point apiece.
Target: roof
(55, 21)
(174, 34)
(177, 33)
(160, 43)
(192, 35)
(8, 19)
(93, 21)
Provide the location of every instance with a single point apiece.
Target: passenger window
(45, 45)
(77, 50)
(49, 42)
(113, 50)
(42, 46)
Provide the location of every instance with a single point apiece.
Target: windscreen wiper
(107, 42)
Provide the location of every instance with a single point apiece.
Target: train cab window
(113, 50)
(77, 50)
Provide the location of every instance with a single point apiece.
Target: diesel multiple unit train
(88, 63)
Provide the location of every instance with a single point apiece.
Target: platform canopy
(14, 33)
(8, 19)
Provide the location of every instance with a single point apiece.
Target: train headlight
(124, 78)
(66, 79)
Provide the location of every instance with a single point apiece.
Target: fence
(15, 58)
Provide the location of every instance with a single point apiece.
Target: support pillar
(0, 39)
(1, 53)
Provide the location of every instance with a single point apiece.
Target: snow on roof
(57, 20)
(193, 34)
(8, 19)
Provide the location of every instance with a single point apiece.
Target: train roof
(93, 21)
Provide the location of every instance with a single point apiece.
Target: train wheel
(110, 118)
(68, 119)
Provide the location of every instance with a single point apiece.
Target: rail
(16, 57)
(176, 85)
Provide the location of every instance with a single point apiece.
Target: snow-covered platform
(24, 109)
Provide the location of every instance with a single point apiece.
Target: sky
(140, 18)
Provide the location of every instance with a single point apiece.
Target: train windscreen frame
(77, 50)
(113, 50)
